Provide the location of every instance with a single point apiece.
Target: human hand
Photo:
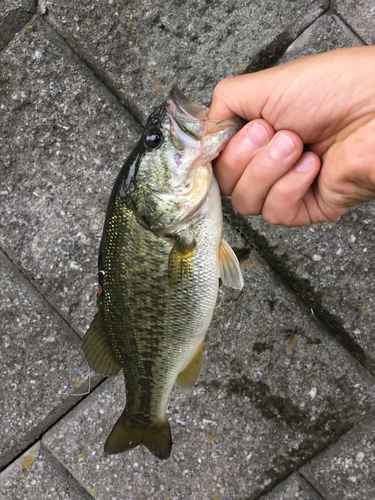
(308, 153)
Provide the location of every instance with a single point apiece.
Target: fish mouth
(190, 128)
(189, 116)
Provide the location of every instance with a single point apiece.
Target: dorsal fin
(230, 271)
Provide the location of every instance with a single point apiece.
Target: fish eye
(154, 138)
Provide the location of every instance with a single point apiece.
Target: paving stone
(346, 470)
(295, 487)
(330, 267)
(63, 140)
(274, 389)
(34, 476)
(141, 49)
(325, 34)
(360, 15)
(14, 14)
(41, 364)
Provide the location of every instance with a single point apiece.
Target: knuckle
(242, 207)
(283, 191)
(258, 175)
(272, 218)
(278, 216)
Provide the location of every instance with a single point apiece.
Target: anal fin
(189, 375)
(97, 349)
(230, 271)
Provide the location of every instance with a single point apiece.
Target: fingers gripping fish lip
(191, 118)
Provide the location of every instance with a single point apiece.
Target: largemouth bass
(160, 260)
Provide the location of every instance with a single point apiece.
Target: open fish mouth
(189, 116)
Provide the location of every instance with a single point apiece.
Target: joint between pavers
(34, 289)
(52, 420)
(318, 493)
(346, 26)
(272, 53)
(296, 469)
(19, 32)
(63, 471)
(292, 282)
(268, 490)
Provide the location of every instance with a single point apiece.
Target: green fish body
(161, 257)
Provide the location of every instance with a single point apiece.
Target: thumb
(244, 95)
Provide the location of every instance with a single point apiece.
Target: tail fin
(128, 434)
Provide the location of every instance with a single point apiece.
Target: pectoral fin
(181, 263)
(97, 349)
(230, 271)
(187, 378)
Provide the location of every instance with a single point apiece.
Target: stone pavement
(284, 407)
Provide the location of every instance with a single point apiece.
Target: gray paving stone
(330, 266)
(273, 391)
(293, 487)
(360, 15)
(14, 14)
(325, 34)
(41, 364)
(63, 139)
(141, 49)
(34, 476)
(346, 470)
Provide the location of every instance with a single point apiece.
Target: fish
(160, 259)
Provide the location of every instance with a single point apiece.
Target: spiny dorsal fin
(127, 434)
(97, 349)
(189, 375)
(181, 263)
(230, 271)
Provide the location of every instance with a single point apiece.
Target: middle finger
(267, 167)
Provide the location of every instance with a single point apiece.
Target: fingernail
(256, 136)
(304, 164)
(282, 146)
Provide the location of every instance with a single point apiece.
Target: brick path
(284, 407)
